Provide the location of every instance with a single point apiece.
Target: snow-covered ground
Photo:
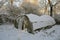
(50, 34)
(9, 32)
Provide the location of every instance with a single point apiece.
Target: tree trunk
(51, 7)
(51, 10)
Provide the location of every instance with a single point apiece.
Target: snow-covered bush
(41, 21)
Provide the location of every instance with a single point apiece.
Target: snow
(16, 4)
(41, 21)
(9, 32)
(49, 34)
(0, 0)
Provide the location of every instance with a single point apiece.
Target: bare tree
(52, 6)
